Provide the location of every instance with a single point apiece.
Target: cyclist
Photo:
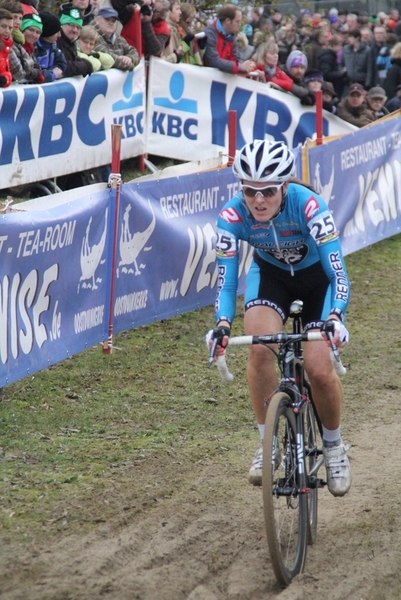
(297, 256)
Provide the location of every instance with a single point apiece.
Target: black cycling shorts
(267, 285)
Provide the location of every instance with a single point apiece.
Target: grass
(67, 429)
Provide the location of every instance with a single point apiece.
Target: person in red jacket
(154, 28)
(266, 58)
(221, 45)
(6, 42)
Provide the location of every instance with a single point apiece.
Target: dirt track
(207, 541)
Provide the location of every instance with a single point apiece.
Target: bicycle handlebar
(247, 340)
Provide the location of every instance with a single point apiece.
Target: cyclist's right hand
(217, 340)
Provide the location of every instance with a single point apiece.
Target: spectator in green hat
(71, 25)
(28, 70)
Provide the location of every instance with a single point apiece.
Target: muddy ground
(206, 540)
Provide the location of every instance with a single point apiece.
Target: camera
(147, 9)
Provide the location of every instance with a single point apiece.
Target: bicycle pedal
(315, 483)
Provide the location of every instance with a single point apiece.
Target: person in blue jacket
(50, 58)
(297, 255)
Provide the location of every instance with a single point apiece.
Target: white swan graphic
(132, 244)
(325, 191)
(91, 255)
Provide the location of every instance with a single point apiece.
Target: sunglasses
(267, 192)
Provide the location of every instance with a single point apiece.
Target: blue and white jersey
(303, 234)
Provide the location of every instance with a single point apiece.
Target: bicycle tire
(312, 446)
(285, 503)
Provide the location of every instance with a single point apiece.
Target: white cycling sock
(261, 431)
(331, 437)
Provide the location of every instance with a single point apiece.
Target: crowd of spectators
(354, 59)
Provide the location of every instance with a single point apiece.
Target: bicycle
(292, 448)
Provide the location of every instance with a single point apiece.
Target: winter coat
(75, 64)
(221, 50)
(5, 71)
(171, 52)
(280, 78)
(393, 78)
(382, 62)
(359, 116)
(49, 56)
(117, 47)
(301, 91)
(24, 66)
(313, 50)
(331, 70)
(359, 64)
(155, 34)
(100, 61)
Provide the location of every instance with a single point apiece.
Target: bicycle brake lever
(212, 351)
(334, 350)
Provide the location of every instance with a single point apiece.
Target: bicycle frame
(293, 383)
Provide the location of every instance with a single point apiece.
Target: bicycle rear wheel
(284, 498)
(313, 452)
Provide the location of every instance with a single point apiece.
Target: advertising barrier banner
(166, 259)
(55, 253)
(187, 115)
(359, 176)
(54, 283)
(63, 127)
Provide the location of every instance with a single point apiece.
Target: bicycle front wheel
(284, 498)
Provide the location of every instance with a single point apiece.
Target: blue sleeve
(325, 236)
(230, 230)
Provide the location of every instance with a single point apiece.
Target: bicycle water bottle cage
(296, 307)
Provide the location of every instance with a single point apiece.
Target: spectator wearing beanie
(314, 80)
(315, 83)
(49, 56)
(29, 69)
(86, 9)
(31, 27)
(295, 66)
(71, 25)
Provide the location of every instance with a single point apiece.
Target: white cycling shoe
(339, 477)
(255, 472)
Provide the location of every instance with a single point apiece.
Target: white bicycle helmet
(264, 161)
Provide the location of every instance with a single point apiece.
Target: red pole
(232, 136)
(319, 117)
(114, 183)
(138, 30)
(138, 36)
